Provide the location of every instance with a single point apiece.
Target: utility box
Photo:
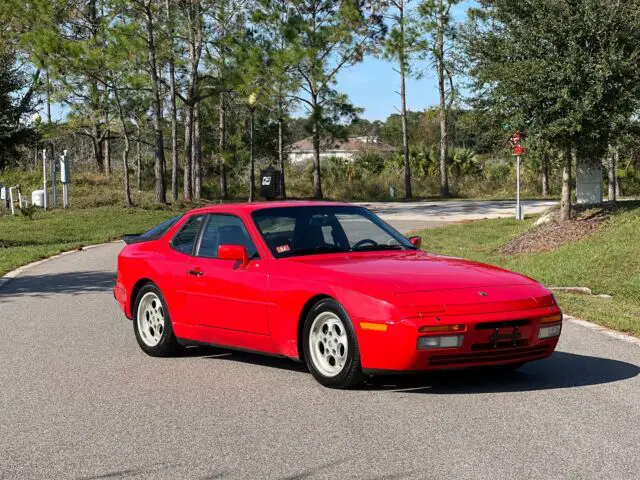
(589, 183)
(270, 187)
(37, 198)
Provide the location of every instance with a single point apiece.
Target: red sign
(518, 150)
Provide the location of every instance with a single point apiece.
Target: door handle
(196, 272)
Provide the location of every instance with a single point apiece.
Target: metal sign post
(44, 177)
(517, 152)
(519, 215)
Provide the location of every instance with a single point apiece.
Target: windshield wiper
(365, 248)
(317, 250)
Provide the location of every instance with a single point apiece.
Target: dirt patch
(554, 234)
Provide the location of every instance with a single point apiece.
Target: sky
(373, 85)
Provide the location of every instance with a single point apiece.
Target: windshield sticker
(283, 248)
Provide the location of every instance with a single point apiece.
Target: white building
(302, 150)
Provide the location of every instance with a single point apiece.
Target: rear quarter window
(185, 240)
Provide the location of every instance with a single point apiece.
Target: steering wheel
(363, 242)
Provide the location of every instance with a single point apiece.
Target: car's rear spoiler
(130, 238)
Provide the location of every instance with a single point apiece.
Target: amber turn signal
(378, 327)
(552, 319)
(442, 328)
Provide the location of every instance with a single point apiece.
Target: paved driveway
(407, 216)
(79, 400)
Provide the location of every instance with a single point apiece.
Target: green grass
(23, 241)
(607, 262)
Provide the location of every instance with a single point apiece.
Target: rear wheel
(152, 325)
(330, 346)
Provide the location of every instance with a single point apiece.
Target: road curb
(625, 337)
(7, 277)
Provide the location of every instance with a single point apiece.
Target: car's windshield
(312, 230)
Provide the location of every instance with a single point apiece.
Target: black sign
(270, 187)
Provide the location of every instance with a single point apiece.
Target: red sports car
(328, 284)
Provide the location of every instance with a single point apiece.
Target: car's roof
(253, 206)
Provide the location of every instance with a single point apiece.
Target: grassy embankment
(95, 216)
(608, 262)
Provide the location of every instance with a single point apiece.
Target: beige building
(347, 149)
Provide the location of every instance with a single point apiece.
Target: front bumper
(488, 339)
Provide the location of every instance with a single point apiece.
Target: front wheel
(152, 325)
(330, 346)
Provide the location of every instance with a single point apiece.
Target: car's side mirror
(416, 241)
(236, 253)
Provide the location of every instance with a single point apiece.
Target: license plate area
(503, 334)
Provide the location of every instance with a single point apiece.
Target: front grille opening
(500, 345)
(491, 356)
(502, 324)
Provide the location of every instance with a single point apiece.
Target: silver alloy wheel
(328, 344)
(150, 319)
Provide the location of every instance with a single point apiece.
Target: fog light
(548, 332)
(440, 341)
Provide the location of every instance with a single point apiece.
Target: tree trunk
(611, 171)
(106, 148)
(545, 175)
(283, 191)
(252, 180)
(188, 141)
(565, 200)
(125, 153)
(94, 93)
(172, 106)
(403, 100)
(317, 180)
(222, 146)
(197, 154)
(444, 180)
(48, 97)
(138, 159)
(617, 178)
(97, 148)
(160, 186)
(194, 19)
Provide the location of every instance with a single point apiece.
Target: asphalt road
(79, 399)
(408, 216)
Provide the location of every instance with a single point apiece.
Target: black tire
(168, 344)
(351, 374)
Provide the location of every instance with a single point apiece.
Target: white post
(44, 176)
(64, 177)
(518, 210)
(13, 210)
(54, 196)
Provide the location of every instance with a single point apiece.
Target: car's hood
(404, 272)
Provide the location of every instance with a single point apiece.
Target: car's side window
(184, 241)
(225, 230)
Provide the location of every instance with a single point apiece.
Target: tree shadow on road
(561, 370)
(54, 283)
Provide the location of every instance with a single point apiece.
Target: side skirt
(185, 342)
